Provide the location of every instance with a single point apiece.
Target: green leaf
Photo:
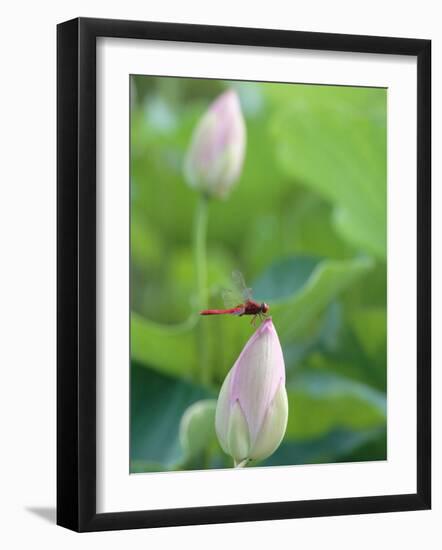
(168, 348)
(323, 339)
(141, 466)
(145, 244)
(370, 326)
(285, 278)
(333, 140)
(320, 402)
(340, 445)
(308, 227)
(360, 352)
(298, 289)
(157, 405)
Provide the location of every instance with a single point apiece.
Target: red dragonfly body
(248, 307)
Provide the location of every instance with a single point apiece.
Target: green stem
(200, 243)
(241, 464)
(200, 251)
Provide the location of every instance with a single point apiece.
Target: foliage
(306, 224)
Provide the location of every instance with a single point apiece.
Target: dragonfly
(242, 297)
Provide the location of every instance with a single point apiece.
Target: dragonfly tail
(232, 311)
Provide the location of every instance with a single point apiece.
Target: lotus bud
(252, 408)
(215, 157)
(196, 427)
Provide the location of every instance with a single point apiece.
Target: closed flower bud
(252, 408)
(215, 157)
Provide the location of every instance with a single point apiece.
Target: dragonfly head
(264, 307)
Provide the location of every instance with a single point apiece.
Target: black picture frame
(76, 273)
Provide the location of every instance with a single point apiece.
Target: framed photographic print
(243, 274)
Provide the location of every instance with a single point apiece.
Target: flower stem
(200, 251)
(241, 464)
(200, 238)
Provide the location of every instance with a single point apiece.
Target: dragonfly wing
(230, 298)
(240, 285)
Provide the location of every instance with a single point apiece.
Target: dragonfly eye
(264, 307)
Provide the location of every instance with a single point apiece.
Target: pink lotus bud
(252, 409)
(216, 154)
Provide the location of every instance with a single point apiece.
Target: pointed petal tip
(226, 100)
(267, 324)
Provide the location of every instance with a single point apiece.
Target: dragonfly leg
(262, 316)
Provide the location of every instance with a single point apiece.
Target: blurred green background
(306, 224)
